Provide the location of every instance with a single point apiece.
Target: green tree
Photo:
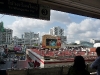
(1, 27)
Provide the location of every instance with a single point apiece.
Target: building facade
(18, 41)
(58, 31)
(84, 43)
(94, 41)
(31, 38)
(7, 36)
(28, 38)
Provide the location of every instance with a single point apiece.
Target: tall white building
(58, 31)
(7, 36)
(30, 38)
(18, 41)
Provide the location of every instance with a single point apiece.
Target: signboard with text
(24, 9)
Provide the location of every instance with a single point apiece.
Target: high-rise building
(5, 35)
(58, 31)
(30, 38)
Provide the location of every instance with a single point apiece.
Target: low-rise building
(84, 43)
(27, 39)
(94, 41)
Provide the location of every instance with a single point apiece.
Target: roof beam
(90, 8)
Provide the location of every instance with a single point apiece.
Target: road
(6, 65)
(9, 64)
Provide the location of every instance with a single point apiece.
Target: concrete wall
(44, 71)
(35, 57)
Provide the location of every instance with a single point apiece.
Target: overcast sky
(75, 27)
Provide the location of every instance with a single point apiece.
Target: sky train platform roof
(61, 54)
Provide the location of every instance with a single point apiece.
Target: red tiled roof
(92, 49)
(59, 53)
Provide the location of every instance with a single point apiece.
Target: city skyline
(75, 27)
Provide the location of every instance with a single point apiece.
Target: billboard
(25, 9)
(49, 41)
